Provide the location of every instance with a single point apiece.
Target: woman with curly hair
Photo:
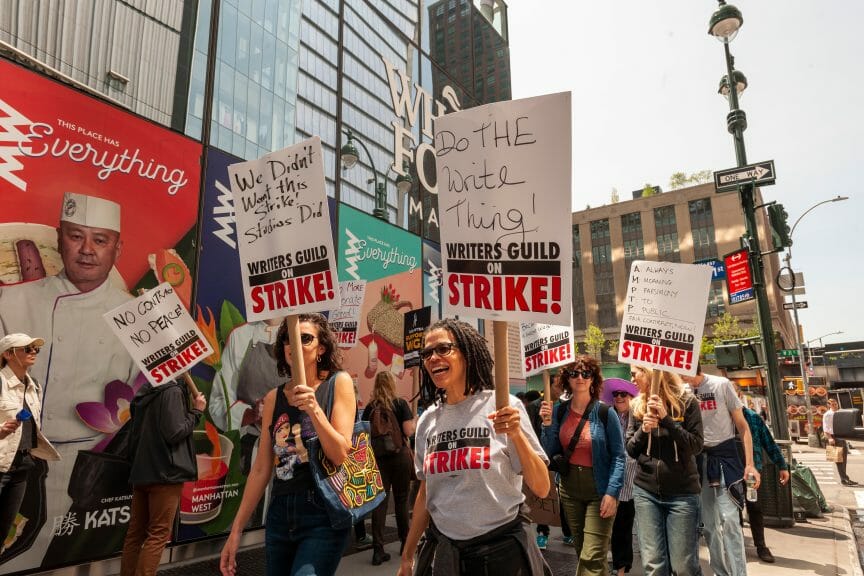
(298, 536)
(588, 445)
(471, 460)
(664, 436)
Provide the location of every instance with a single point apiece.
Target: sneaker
(765, 554)
(364, 542)
(542, 540)
(848, 482)
(568, 540)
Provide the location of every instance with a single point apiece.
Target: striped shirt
(629, 463)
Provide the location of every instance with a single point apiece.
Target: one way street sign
(761, 174)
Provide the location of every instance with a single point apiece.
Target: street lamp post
(812, 438)
(724, 26)
(349, 157)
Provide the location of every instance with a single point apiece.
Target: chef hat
(90, 211)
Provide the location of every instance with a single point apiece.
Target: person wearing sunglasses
(664, 436)
(618, 393)
(299, 538)
(471, 461)
(588, 447)
(21, 439)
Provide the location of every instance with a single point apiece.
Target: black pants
(841, 466)
(396, 477)
(757, 523)
(13, 485)
(622, 536)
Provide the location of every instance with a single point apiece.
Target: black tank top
(290, 432)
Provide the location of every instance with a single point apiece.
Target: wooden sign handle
(502, 369)
(190, 384)
(298, 370)
(547, 395)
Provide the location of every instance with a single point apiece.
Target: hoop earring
(318, 359)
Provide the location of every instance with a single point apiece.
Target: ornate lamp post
(349, 157)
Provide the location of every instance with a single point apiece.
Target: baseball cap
(18, 341)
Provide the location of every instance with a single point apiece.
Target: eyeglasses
(31, 349)
(619, 394)
(442, 350)
(305, 339)
(585, 374)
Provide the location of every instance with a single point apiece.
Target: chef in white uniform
(81, 354)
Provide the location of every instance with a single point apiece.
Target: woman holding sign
(586, 445)
(666, 488)
(471, 460)
(298, 536)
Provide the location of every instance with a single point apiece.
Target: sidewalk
(824, 546)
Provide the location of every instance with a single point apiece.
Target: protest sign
(504, 197)
(545, 346)
(284, 240)
(543, 510)
(159, 334)
(343, 321)
(664, 315)
(416, 323)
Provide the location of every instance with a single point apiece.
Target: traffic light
(780, 233)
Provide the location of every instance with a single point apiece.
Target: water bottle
(752, 494)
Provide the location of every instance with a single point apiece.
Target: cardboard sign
(343, 321)
(416, 323)
(504, 198)
(283, 233)
(544, 510)
(664, 315)
(159, 334)
(545, 346)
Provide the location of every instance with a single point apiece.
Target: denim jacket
(607, 448)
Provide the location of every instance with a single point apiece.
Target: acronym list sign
(504, 200)
(664, 315)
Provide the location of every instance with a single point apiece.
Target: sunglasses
(619, 394)
(442, 350)
(305, 339)
(31, 349)
(585, 374)
(633, 374)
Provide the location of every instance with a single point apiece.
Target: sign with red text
(545, 346)
(504, 173)
(664, 315)
(739, 278)
(416, 323)
(284, 239)
(344, 320)
(159, 334)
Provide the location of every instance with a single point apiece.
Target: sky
(644, 76)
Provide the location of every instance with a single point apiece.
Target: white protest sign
(287, 260)
(545, 346)
(345, 319)
(664, 315)
(159, 334)
(504, 203)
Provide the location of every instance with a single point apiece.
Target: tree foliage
(727, 327)
(594, 341)
(682, 179)
(648, 190)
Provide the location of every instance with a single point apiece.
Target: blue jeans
(723, 532)
(298, 538)
(668, 538)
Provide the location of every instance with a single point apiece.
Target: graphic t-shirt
(473, 475)
(717, 399)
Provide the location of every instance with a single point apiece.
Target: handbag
(834, 453)
(560, 463)
(354, 489)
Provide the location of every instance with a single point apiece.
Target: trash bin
(776, 500)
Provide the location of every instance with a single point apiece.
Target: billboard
(57, 285)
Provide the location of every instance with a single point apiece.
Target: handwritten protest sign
(283, 233)
(664, 315)
(415, 325)
(504, 197)
(545, 346)
(343, 321)
(159, 334)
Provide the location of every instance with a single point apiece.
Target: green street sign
(793, 353)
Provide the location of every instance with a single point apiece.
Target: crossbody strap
(575, 438)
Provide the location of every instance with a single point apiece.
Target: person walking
(591, 465)
(298, 536)
(665, 435)
(393, 455)
(618, 393)
(163, 458)
(471, 460)
(833, 440)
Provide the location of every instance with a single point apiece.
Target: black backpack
(385, 430)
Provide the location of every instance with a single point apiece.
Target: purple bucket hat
(611, 385)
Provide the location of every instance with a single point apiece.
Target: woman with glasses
(665, 435)
(471, 460)
(298, 536)
(21, 440)
(618, 393)
(588, 446)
